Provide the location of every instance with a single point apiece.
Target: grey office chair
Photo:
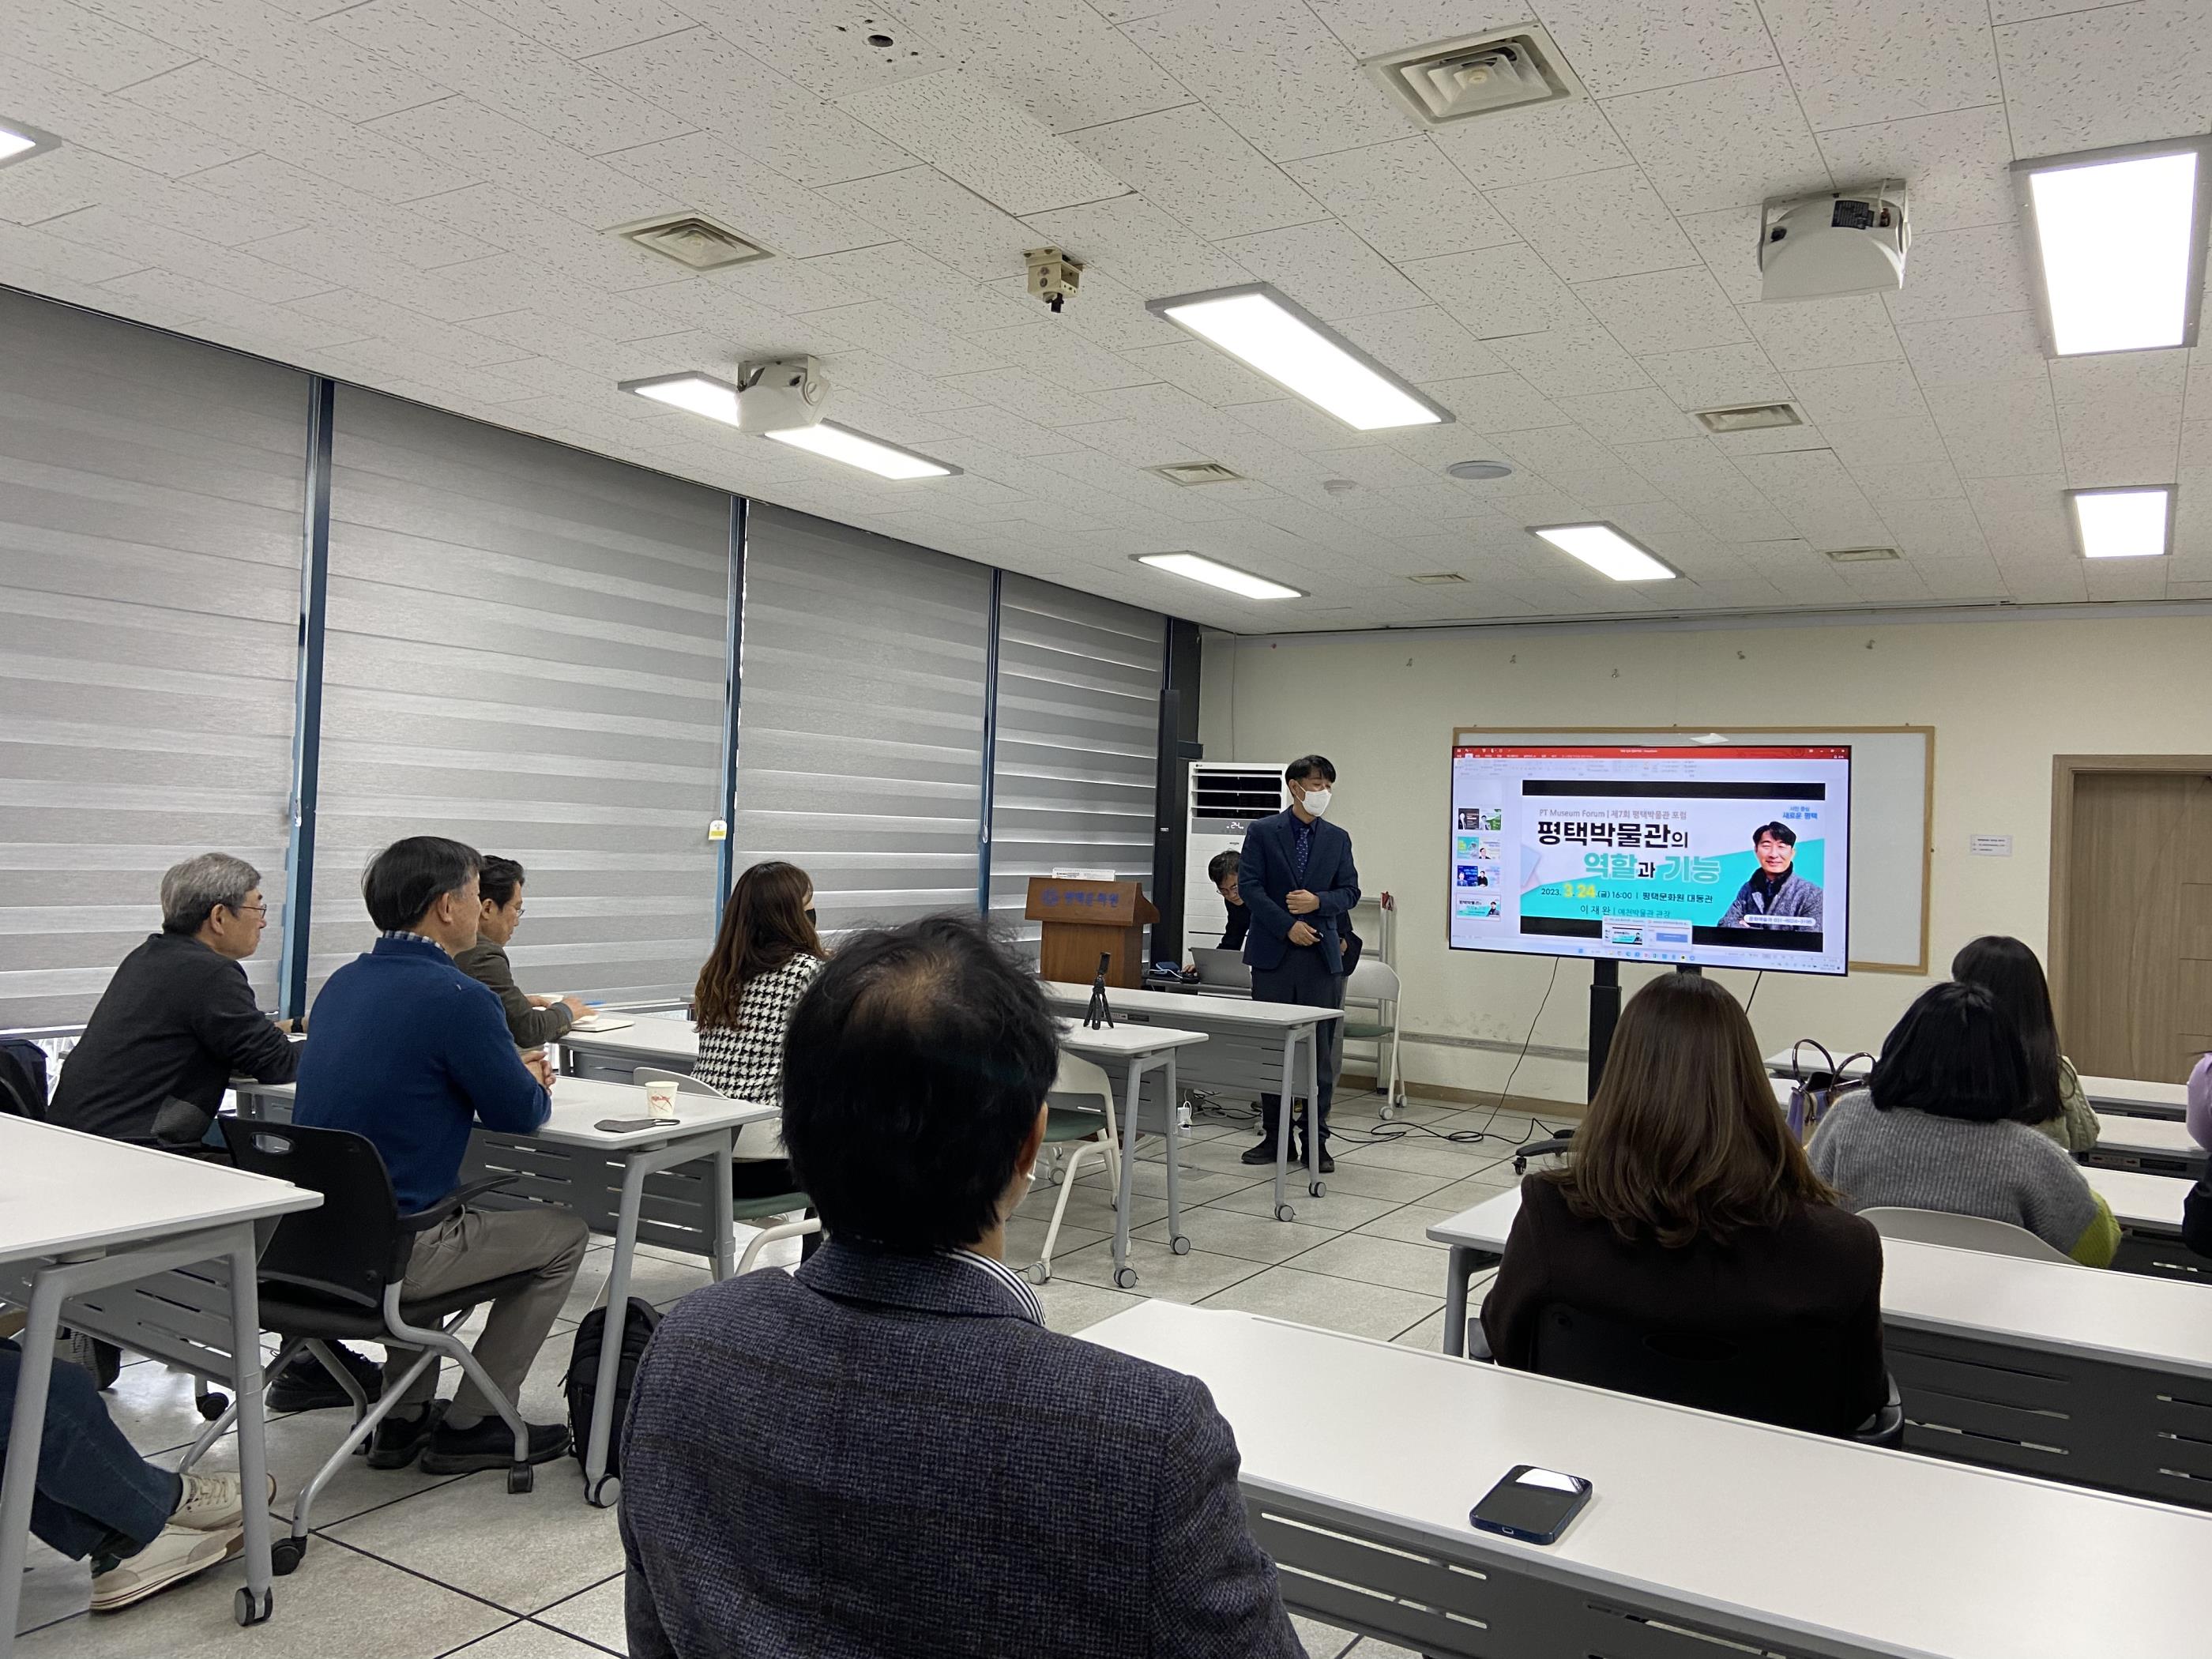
(1963, 1232)
(747, 1210)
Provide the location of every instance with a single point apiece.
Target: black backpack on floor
(581, 1383)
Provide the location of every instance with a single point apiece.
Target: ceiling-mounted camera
(778, 395)
(1054, 277)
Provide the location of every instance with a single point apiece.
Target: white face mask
(1316, 801)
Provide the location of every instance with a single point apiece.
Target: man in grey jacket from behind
(886, 1455)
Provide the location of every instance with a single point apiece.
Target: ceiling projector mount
(1841, 241)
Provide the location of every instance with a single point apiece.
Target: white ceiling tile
(1191, 162)
(1997, 429)
(1563, 362)
(497, 150)
(1727, 240)
(1644, 415)
(1104, 312)
(1140, 245)
(2120, 417)
(1951, 274)
(1633, 45)
(1721, 143)
(1865, 447)
(103, 53)
(1495, 403)
(2024, 518)
(813, 42)
(578, 28)
(1551, 140)
(1920, 480)
(226, 269)
(1201, 370)
(1060, 356)
(1934, 530)
(751, 197)
(1422, 345)
(1596, 224)
(1962, 579)
(33, 258)
(2005, 346)
(1858, 392)
(1669, 310)
(922, 207)
(1956, 166)
(1857, 61)
(2115, 75)
(713, 84)
(1717, 376)
(975, 133)
(1273, 71)
(1299, 425)
(1067, 65)
(2111, 580)
(1499, 290)
(1405, 199)
(1372, 465)
(1826, 333)
(1326, 269)
(929, 289)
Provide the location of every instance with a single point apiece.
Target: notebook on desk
(1223, 968)
(600, 1022)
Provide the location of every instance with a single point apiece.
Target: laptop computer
(1224, 969)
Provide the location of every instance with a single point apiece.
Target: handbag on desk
(1811, 1093)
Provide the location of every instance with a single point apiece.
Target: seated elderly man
(887, 1453)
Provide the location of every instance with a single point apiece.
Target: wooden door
(2138, 928)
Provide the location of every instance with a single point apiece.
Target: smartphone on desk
(1532, 1504)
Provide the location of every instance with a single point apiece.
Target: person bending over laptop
(175, 1026)
(532, 1022)
(411, 1053)
(887, 1453)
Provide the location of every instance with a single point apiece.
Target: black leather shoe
(305, 1386)
(1262, 1153)
(399, 1439)
(1328, 1163)
(489, 1444)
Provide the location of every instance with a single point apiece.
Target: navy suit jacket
(1264, 880)
(880, 1457)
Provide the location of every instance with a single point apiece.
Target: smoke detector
(1438, 578)
(1196, 472)
(1448, 81)
(1479, 469)
(694, 241)
(1861, 555)
(1749, 417)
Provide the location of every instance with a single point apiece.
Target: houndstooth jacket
(746, 1062)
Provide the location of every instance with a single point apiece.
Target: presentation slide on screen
(1726, 858)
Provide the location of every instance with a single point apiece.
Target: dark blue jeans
(95, 1495)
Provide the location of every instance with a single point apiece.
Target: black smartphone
(1532, 1504)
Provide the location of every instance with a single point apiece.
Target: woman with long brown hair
(1687, 1211)
(766, 954)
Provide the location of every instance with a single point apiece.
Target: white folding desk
(2079, 1374)
(2125, 1097)
(1705, 1535)
(1135, 1051)
(2157, 1146)
(1254, 1045)
(627, 1182)
(95, 1233)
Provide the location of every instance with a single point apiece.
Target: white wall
(2004, 696)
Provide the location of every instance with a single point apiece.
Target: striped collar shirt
(414, 938)
(1008, 1280)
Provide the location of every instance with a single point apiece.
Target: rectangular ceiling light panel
(699, 394)
(2116, 240)
(841, 443)
(1213, 573)
(1297, 351)
(1605, 551)
(2123, 524)
(18, 142)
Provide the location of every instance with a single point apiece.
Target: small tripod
(1099, 1013)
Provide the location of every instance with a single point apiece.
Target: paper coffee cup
(660, 1099)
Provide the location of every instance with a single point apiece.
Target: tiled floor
(411, 1566)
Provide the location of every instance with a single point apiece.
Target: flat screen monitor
(1717, 858)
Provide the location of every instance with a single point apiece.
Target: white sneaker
(212, 1502)
(176, 1553)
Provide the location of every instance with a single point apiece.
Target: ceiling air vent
(1438, 578)
(1861, 555)
(694, 241)
(1749, 417)
(1197, 472)
(1448, 81)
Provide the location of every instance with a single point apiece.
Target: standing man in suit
(1296, 879)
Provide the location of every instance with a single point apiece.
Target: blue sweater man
(411, 1053)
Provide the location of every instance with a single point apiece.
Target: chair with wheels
(1963, 1232)
(1075, 1132)
(746, 1210)
(1789, 1375)
(1373, 985)
(335, 1272)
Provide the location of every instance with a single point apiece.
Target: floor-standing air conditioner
(1225, 797)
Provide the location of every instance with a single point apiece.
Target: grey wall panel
(525, 653)
(151, 497)
(861, 721)
(1077, 740)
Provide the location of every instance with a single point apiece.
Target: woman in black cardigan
(1687, 1213)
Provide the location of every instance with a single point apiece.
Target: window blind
(152, 492)
(524, 652)
(1078, 749)
(860, 717)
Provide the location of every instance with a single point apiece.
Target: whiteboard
(1892, 794)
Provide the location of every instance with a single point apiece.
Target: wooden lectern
(1083, 919)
